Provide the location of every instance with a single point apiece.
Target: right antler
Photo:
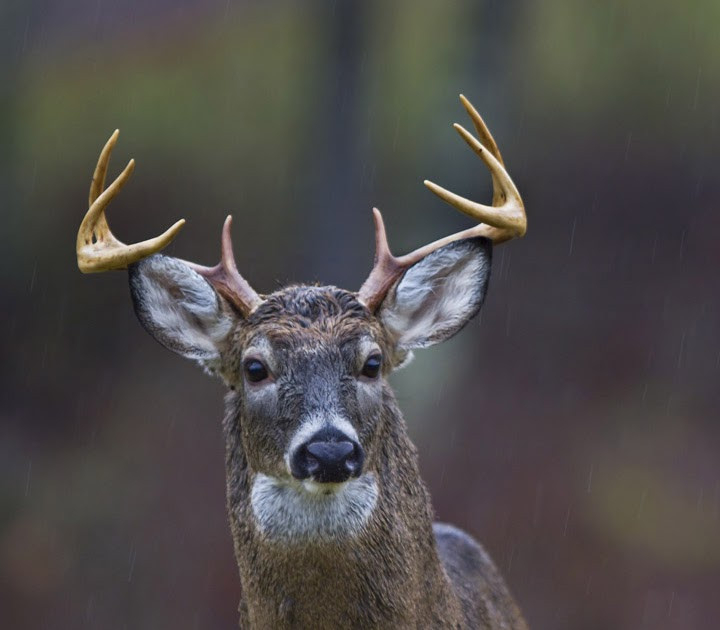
(98, 249)
(504, 220)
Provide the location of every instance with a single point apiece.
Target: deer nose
(327, 461)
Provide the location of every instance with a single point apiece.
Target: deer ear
(180, 309)
(437, 296)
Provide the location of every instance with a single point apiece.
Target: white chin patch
(293, 511)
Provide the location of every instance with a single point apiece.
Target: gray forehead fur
(312, 331)
(308, 305)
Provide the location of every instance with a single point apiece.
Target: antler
(504, 220)
(226, 278)
(97, 248)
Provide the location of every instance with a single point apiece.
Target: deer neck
(385, 573)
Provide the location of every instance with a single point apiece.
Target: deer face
(309, 372)
(308, 366)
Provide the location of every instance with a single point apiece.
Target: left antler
(504, 220)
(98, 249)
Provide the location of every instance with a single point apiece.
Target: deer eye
(255, 371)
(372, 366)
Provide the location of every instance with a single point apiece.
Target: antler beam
(503, 220)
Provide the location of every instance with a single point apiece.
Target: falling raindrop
(567, 521)
(131, 560)
(697, 88)
(627, 145)
(27, 480)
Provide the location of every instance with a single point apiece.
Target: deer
(332, 525)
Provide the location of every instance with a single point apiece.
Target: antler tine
(487, 141)
(483, 132)
(98, 181)
(97, 247)
(504, 220)
(226, 278)
(386, 270)
(97, 185)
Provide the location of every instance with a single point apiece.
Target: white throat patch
(294, 511)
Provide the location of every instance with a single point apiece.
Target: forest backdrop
(573, 427)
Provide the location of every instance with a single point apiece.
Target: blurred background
(573, 427)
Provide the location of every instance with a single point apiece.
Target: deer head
(310, 361)
(310, 412)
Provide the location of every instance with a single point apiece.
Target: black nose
(327, 459)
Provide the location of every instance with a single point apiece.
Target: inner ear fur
(437, 296)
(180, 309)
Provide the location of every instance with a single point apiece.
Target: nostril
(355, 462)
(303, 464)
(312, 465)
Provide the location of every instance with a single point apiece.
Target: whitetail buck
(331, 522)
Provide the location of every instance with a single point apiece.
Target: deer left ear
(437, 296)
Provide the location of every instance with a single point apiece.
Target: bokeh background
(573, 427)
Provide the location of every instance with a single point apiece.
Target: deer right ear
(437, 296)
(180, 309)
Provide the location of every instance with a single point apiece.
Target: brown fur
(397, 570)
(397, 573)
